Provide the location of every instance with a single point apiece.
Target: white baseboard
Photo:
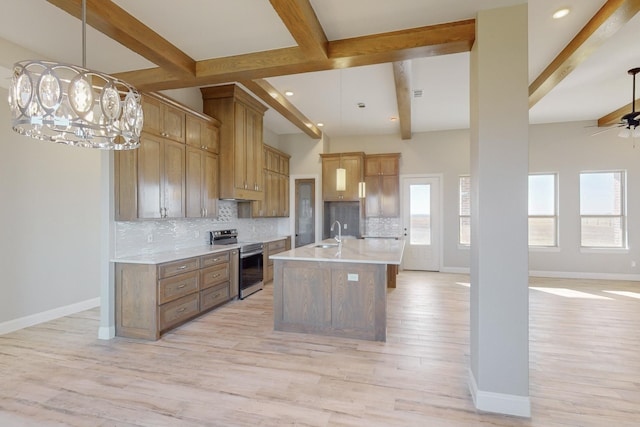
(106, 332)
(455, 270)
(499, 403)
(584, 275)
(45, 316)
(559, 274)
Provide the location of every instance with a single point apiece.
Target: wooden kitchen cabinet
(382, 185)
(202, 133)
(163, 119)
(353, 163)
(151, 182)
(272, 248)
(276, 187)
(241, 150)
(161, 178)
(152, 299)
(201, 184)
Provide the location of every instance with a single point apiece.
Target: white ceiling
(206, 29)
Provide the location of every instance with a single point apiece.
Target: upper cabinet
(353, 163)
(163, 119)
(241, 152)
(162, 179)
(276, 187)
(382, 185)
(202, 134)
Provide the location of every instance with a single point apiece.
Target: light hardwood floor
(229, 368)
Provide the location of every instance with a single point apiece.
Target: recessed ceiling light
(320, 124)
(288, 93)
(561, 13)
(361, 105)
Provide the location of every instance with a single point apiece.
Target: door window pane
(420, 214)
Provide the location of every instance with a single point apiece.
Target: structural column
(499, 364)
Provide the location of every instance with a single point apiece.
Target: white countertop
(168, 256)
(367, 251)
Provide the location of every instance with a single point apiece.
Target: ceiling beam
(402, 77)
(616, 116)
(302, 22)
(604, 24)
(381, 48)
(113, 21)
(270, 95)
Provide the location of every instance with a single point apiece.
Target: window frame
(623, 211)
(555, 216)
(460, 215)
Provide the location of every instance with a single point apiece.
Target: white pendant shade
(341, 179)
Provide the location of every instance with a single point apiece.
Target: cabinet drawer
(176, 267)
(177, 311)
(177, 286)
(276, 247)
(214, 296)
(213, 259)
(213, 275)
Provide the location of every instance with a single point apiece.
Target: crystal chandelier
(72, 105)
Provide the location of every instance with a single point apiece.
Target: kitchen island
(335, 289)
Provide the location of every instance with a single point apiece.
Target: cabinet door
(194, 127)
(150, 173)
(174, 179)
(272, 190)
(329, 167)
(210, 185)
(389, 165)
(353, 165)
(259, 207)
(284, 195)
(125, 185)
(374, 194)
(211, 137)
(173, 123)
(240, 147)
(152, 109)
(194, 192)
(390, 201)
(251, 155)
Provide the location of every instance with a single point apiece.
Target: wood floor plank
(230, 368)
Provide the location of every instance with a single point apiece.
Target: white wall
(50, 232)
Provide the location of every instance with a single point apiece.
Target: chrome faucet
(339, 236)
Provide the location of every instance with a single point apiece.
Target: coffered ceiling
(336, 54)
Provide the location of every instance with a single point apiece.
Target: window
(543, 212)
(464, 232)
(602, 210)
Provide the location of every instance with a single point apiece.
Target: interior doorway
(421, 223)
(305, 211)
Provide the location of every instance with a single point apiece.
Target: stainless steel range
(251, 270)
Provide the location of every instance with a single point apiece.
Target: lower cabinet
(272, 248)
(151, 299)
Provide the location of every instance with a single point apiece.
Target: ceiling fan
(629, 122)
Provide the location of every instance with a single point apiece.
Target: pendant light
(341, 179)
(73, 105)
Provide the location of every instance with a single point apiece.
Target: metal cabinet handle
(181, 286)
(180, 310)
(182, 267)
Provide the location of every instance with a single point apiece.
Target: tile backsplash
(383, 227)
(153, 236)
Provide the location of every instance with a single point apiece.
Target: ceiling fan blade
(607, 129)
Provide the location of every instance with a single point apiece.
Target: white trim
(500, 403)
(560, 274)
(106, 332)
(456, 270)
(584, 275)
(589, 250)
(45, 316)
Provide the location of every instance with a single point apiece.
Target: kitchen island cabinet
(335, 289)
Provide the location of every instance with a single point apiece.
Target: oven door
(251, 273)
